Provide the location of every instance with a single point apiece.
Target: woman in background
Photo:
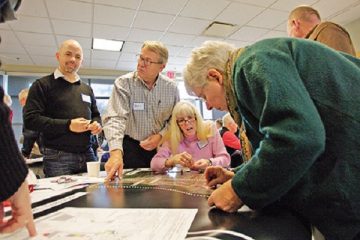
(190, 142)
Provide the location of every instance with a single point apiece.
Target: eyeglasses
(146, 61)
(183, 121)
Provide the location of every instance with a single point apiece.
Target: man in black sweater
(64, 109)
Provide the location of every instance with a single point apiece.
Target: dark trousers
(58, 162)
(134, 155)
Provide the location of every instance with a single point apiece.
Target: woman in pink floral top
(190, 141)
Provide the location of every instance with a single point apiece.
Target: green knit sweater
(301, 104)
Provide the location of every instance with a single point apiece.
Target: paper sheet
(120, 223)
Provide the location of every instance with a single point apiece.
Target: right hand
(21, 212)
(184, 159)
(114, 165)
(79, 125)
(217, 175)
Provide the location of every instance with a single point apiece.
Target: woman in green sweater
(299, 102)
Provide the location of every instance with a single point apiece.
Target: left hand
(22, 215)
(200, 164)
(151, 142)
(225, 198)
(94, 127)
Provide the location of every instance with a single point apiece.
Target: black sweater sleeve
(13, 169)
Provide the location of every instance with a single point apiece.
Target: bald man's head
(302, 20)
(70, 57)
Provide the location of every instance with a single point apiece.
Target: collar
(144, 83)
(58, 74)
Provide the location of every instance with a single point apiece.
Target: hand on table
(184, 159)
(114, 165)
(201, 164)
(225, 198)
(21, 212)
(217, 175)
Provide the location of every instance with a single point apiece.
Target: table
(170, 191)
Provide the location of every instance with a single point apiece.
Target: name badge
(139, 106)
(86, 98)
(202, 144)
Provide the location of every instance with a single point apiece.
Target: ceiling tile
(332, 7)
(105, 55)
(131, 47)
(201, 39)
(139, 35)
(269, 19)
(12, 48)
(185, 52)
(231, 13)
(182, 25)
(8, 37)
(132, 4)
(113, 15)
(248, 34)
(17, 59)
(173, 50)
(5, 26)
(75, 11)
(157, 21)
(177, 39)
(103, 64)
(238, 44)
(84, 42)
(72, 28)
(126, 66)
(35, 8)
(288, 5)
(41, 50)
(128, 57)
(347, 16)
(45, 61)
(204, 9)
(274, 34)
(31, 24)
(38, 39)
(110, 32)
(163, 6)
(262, 3)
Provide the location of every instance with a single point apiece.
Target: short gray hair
(159, 48)
(212, 54)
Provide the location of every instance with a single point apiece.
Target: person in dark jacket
(31, 140)
(13, 172)
(64, 109)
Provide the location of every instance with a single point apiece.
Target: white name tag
(86, 98)
(202, 144)
(139, 106)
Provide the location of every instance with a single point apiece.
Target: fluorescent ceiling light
(108, 45)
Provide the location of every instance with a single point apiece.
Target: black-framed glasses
(183, 121)
(146, 61)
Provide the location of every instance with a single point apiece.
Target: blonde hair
(227, 119)
(305, 13)
(23, 94)
(212, 54)
(159, 48)
(174, 135)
